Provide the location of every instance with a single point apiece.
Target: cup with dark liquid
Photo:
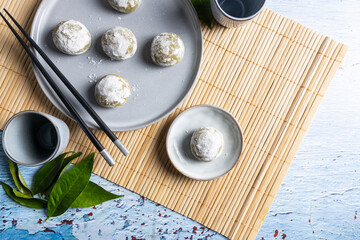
(235, 13)
(33, 138)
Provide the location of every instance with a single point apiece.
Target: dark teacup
(235, 13)
(33, 138)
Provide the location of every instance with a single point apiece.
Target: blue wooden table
(319, 198)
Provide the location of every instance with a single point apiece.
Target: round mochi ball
(71, 37)
(167, 49)
(207, 144)
(112, 91)
(125, 6)
(119, 43)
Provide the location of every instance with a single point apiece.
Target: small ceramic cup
(33, 138)
(235, 13)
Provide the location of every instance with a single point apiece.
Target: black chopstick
(62, 97)
(72, 89)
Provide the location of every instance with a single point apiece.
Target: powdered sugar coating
(167, 49)
(71, 37)
(207, 143)
(112, 91)
(119, 43)
(125, 6)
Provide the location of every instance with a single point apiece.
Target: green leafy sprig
(203, 9)
(57, 188)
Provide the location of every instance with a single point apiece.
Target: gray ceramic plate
(156, 91)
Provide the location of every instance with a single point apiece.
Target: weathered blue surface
(130, 217)
(319, 198)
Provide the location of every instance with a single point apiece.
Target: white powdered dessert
(119, 43)
(207, 143)
(112, 91)
(125, 6)
(71, 37)
(167, 49)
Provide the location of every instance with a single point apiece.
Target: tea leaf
(69, 187)
(203, 9)
(64, 164)
(93, 195)
(27, 202)
(18, 179)
(46, 175)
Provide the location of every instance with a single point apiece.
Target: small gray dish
(156, 91)
(179, 136)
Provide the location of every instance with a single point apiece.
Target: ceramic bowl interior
(240, 9)
(20, 138)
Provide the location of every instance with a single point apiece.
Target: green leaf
(64, 164)
(20, 194)
(27, 202)
(93, 195)
(46, 175)
(203, 9)
(69, 187)
(18, 179)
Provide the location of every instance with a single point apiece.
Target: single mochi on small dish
(71, 37)
(125, 6)
(119, 43)
(207, 144)
(167, 49)
(112, 91)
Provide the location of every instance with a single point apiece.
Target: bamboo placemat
(271, 75)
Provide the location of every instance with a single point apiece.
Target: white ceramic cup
(235, 13)
(33, 138)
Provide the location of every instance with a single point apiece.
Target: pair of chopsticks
(62, 97)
